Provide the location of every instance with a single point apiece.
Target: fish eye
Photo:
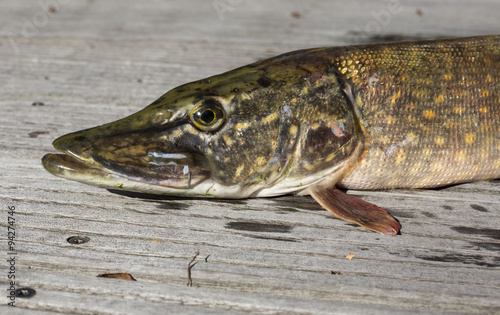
(208, 115)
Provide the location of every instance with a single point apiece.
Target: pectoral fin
(355, 210)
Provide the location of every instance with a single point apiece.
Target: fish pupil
(208, 116)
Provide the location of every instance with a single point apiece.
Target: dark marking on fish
(316, 138)
(387, 38)
(264, 82)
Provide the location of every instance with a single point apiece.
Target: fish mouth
(128, 168)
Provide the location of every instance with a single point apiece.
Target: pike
(416, 114)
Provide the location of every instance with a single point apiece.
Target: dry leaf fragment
(350, 256)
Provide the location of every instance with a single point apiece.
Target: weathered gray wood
(91, 62)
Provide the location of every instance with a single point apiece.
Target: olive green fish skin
(399, 115)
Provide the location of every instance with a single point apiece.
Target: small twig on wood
(190, 281)
(206, 258)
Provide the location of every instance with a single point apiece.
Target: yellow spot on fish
(309, 167)
(271, 117)
(489, 79)
(294, 100)
(400, 156)
(330, 157)
(429, 114)
(390, 119)
(470, 138)
(176, 133)
(485, 93)
(227, 140)
(261, 160)
(458, 110)
(411, 136)
(483, 109)
(439, 99)
(460, 156)
(343, 71)
(239, 170)
(395, 97)
(358, 100)
(385, 140)
(240, 126)
(439, 140)
(448, 76)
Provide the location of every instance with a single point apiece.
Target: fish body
(431, 112)
(399, 115)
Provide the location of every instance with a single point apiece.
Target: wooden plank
(95, 61)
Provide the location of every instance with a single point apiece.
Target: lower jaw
(67, 167)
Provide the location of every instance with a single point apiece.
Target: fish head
(273, 127)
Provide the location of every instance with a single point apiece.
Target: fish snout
(81, 145)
